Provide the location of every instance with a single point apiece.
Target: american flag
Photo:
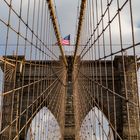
(66, 40)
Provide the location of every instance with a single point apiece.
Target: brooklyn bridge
(90, 93)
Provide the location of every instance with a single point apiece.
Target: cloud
(91, 125)
(67, 13)
(44, 125)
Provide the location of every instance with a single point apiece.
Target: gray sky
(67, 13)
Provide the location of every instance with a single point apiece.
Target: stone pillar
(128, 119)
(11, 100)
(69, 133)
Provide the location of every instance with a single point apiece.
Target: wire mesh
(101, 86)
(33, 73)
(106, 62)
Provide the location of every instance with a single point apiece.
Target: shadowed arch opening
(44, 126)
(95, 126)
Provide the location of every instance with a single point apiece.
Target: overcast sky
(67, 14)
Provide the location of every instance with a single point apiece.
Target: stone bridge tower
(69, 91)
(27, 97)
(98, 82)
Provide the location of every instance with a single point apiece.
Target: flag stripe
(66, 40)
